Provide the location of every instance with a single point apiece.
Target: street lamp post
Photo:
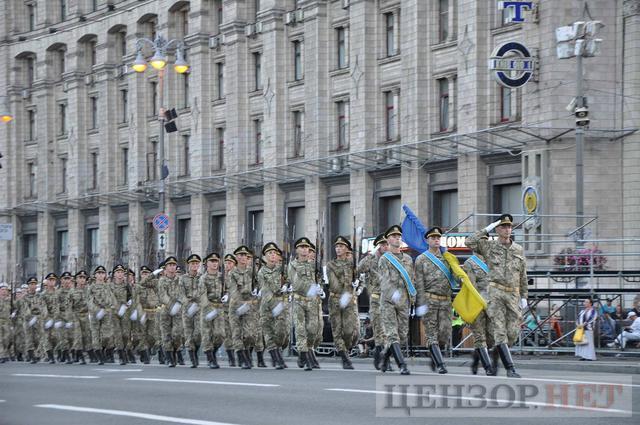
(159, 62)
(5, 112)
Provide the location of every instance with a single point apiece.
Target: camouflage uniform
(213, 331)
(170, 292)
(65, 334)
(507, 284)
(147, 298)
(305, 309)
(369, 266)
(121, 325)
(191, 292)
(50, 340)
(18, 329)
(243, 328)
(344, 321)
(482, 327)
(81, 322)
(32, 306)
(99, 296)
(5, 327)
(395, 317)
(434, 291)
(275, 329)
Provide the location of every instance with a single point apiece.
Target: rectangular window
(297, 60)
(122, 41)
(184, 20)
(94, 5)
(254, 228)
(125, 166)
(220, 80)
(220, 139)
(341, 48)
(257, 131)
(507, 198)
(296, 224)
(505, 104)
(63, 10)
(341, 219)
(218, 19)
(389, 212)
(390, 40)
(62, 250)
(153, 89)
(152, 161)
(122, 244)
(185, 90)
(443, 20)
(92, 248)
(32, 169)
(124, 106)
(93, 53)
(185, 155)
(445, 208)
(217, 233)
(94, 171)
(443, 95)
(30, 254)
(391, 115)
(31, 132)
(183, 238)
(93, 101)
(63, 175)
(31, 72)
(298, 133)
(342, 125)
(62, 119)
(60, 56)
(257, 71)
(31, 13)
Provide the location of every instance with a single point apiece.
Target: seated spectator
(630, 333)
(366, 343)
(607, 328)
(618, 314)
(554, 323)
(607, 308)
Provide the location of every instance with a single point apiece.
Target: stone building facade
(303, 114)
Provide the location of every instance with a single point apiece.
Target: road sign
(512, 64)
(6, 232)
(162, 241)
(161, 222)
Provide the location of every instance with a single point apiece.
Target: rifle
(222, 276)
(317, 251)
(354, 244)
(285, 247)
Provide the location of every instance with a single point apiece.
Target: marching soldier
(33, 310)
(134, 317)
(305, 310)
(80, 319)
(316, 339)
(397, 295)
(273, 304)
(101, 303)
(343, 302)
(148, 299)
(171, 296)
(18, 323)
(433, 283)
(5, 322)
(65, 332)
(230, 262)
(121, 322)
(507, 293)
(478, 273)
(191, 292)
(369, 266)
(51, 322)
(213, 311)
(243, 306)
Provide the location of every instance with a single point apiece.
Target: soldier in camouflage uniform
(191, 292)
(121, 321)
(434, 293)
(5, 322)
(80, 319)
(273, 304)
(171, 296)
(212, 311)
(134, 317)
(148, 301)
(65, 331)
(343, 302)
(243, 306)
(369, 267)
(396, 299)
(316, 339)
(259, 337)
(50, 299)
(507, 293)
(102, 305)
(481, 327)
(33, 311)
(18, 324)
(230, 262)
(305, 309)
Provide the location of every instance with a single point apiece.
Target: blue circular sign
(512, 58)
(161, 222)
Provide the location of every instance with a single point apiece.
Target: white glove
(224, 298)
(422, 310)
(157, 272)
(242, 310)
(68, 325)
(283, 289)
(134, 315)
(193, 308)
(48, 324)
(211, 315)
(259, 293)
(395, 297)
(492, 226)
(33, 321)
(321, 294)
(129, 303)
(523, 303)
(100, 314)
(359, 291)
(344, 299)
(254, 292)
(122, 310)
(313, 291)
(58, 324)
(412, 313)
(355, 283)
(143, 319)
(290, 289)
(13, 315)
(175, 308)
(275, 312)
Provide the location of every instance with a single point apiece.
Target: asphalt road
(148, 394)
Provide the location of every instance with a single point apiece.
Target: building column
(136, 236)
(235, 219)
(199, 224)
(106, 236)
(46, 244)
(75, 227)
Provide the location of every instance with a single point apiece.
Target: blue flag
(413, 231)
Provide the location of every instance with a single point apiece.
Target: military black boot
(146, 357)
(377, 352)
(214, 360)
(260, 355)
(92, 356)
(131, 356)
(232, 358)
(314, 360)
(386, 359)
(195, 352)
(67, 356)
(495, 357)
(99, 357)
(475, 362)
(180, 358)
(306, 361)
(50, 357)
(161, 356)
(436, 356)
(397, 354)
(346, 363)
(250, 356)
(485, 359)
(280, 358)
(192, 358)
(170, 358)
(300, 361)
(19, 356)
(274, 359)
(123, 357)
(31, 357)
(507, 361)
(80, 357)
(246, 359)
(110, 358)
(59, 356)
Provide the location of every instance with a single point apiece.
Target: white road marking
(194, 381)
(119, 370)
(43, 375)
(3, 401)
(130, 414)
(531, 403)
